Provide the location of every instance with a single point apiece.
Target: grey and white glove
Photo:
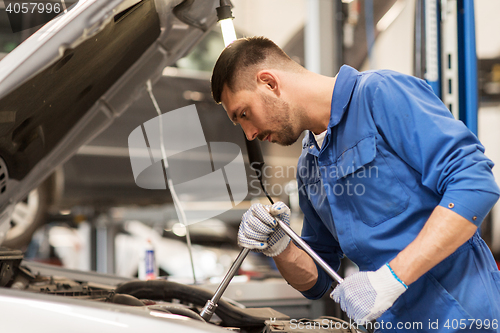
(260, 232)
(365, 296)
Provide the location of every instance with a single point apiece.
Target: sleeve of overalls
(422, 131)
(321, 240)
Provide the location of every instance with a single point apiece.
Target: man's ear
(269, 80)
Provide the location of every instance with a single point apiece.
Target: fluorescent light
(228, 32)
(391, 15)
(225, 17)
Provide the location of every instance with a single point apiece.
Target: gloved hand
(260, 232)
(364, 296)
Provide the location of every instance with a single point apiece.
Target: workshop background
(90, 214)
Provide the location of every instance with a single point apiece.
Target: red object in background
(498, 265)
(49, 261)
(253, 275)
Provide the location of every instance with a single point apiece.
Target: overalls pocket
(368, 183)
(312, 188)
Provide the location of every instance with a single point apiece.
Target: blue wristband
(395, 276)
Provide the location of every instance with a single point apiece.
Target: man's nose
(250, 131)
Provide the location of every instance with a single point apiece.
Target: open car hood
(74, 76)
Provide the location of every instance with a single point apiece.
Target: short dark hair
(240, 55)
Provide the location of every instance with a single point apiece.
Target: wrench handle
(209, 308)
(304, 246)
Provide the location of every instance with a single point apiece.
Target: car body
(59, 89)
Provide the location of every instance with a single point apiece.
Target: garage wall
(488, 46)
(487, 28)
(278, 20)
(394, 47)
(488, 122)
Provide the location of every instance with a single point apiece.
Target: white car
(59, 89)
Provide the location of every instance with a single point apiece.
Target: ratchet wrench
(211, 304)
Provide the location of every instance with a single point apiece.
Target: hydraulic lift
(450, 60)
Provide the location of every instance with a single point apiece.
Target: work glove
(260, 232)
(364, 296)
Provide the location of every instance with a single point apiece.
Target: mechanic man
(386, 176)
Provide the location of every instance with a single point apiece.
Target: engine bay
(160, 297)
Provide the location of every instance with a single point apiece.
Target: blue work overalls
(391, 154)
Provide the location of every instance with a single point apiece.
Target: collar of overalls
(344, 86)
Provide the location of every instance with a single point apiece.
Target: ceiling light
(179, 229)
(225, 17)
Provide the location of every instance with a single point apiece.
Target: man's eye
(243, 114)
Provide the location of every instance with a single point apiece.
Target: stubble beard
(280, 116)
